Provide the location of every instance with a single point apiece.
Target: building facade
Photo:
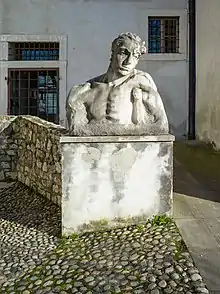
(207, 116)
(47, 46)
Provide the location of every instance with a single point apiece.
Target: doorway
(34, 92)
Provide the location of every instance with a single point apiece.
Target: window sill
(164, 56)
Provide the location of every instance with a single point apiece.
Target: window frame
(61, 39)
(183, 33)
(6, 64)
(160, 37)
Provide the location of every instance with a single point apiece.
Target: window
(34, 92)
(26, 51)
(163, 34)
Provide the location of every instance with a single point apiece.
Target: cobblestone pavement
(150, 258)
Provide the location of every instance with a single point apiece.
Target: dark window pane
(35, 51)
(35, 93)
(163, 34)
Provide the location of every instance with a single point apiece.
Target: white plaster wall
(90, 27)
(99, 181)
(208, 71)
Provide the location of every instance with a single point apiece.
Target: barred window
(163, 34)
(27, 51)
(34, 92)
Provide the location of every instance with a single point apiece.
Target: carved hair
(120, 39)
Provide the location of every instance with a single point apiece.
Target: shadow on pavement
(20, 204)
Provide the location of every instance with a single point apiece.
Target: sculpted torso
(127, 103)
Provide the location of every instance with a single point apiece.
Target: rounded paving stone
(169, 270)
(179, 268)
(168, 290)
(162, 284)
(89, 279)
(150, 263)
(48, 283)
(202, 290)
(152, 278)
(155, 291)
(192, 271)
(134, 257)
(195, 277)
(107, 287)
(38, 282)
(175, 276)
(152, 286)
(173, 284)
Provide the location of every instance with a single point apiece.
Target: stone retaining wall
(8, 150)
(37, 151)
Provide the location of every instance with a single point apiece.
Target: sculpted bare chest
(110, 102)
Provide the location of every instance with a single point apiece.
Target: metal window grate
(34, 92)
(34, 51)
(163, 34)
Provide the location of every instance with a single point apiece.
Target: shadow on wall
(196, 170)
(180, 131)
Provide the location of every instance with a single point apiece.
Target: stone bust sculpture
(123, 101)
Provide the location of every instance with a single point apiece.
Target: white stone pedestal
(108, 181)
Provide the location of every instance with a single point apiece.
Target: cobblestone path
(150, 258)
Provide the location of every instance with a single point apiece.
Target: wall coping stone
(114, 139)
(5, 122)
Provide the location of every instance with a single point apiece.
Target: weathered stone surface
(8, 149)
(117, 182)
(123, 101)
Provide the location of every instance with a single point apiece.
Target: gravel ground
(150, 258)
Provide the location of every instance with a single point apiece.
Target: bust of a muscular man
(123, 101)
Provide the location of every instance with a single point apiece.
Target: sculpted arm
(76, 102)
(153, 103)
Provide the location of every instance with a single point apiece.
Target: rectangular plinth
(108, 181)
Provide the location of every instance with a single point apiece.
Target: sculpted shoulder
(79, 88)
(76, 92)
(145, 78)
(83, 93)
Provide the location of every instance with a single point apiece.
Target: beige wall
(208, 70)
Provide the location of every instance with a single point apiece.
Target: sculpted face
(126, 57)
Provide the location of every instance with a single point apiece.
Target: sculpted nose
(128, 60)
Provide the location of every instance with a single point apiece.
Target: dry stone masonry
(8, 150)
(30, 153)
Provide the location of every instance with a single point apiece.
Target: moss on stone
(180, 248)
(101, 222)
(140, 227)
(161, 220)
(138, 221)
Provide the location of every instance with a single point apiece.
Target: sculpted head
(126, 51)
